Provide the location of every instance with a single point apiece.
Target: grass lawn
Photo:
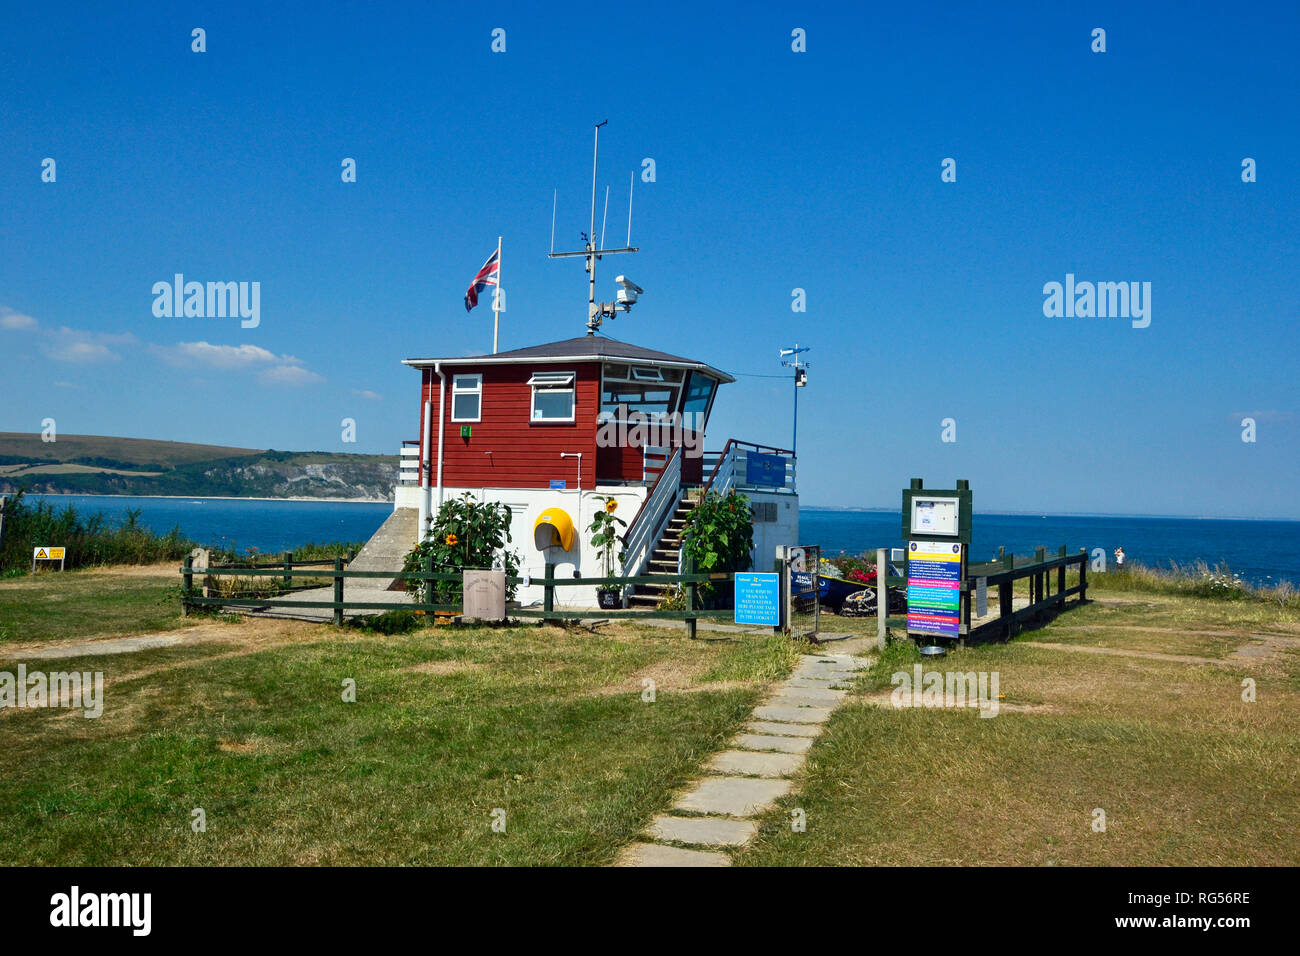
(246, 720)
(1186, 772)
(69, 605)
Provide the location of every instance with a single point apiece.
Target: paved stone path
(748, 779)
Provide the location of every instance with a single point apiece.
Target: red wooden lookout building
(548, 428)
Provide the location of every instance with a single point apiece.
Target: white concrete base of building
(581, 560)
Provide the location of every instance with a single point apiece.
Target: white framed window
(553, 397)
(466, 398)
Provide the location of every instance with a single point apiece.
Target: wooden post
(426, 566)
(1040, 555)
(1083, 575)
(882, 599)
(782, 568)
(1004, 596)
(288, 566)
(1060, 580)
(338, 590)
(688, 565)
(548, 592)
(188, 585)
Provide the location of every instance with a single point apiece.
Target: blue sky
(775, 170)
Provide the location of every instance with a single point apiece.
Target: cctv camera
(629, 285)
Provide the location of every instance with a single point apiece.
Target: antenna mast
(597, 312)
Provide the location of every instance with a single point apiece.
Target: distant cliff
(101, 465)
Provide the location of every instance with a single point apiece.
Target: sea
(1261, 551)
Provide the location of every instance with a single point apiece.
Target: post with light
(800, 380)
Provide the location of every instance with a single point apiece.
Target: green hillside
(104, 465)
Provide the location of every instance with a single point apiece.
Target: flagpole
(496, 301)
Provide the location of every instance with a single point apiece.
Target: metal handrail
(653, 516)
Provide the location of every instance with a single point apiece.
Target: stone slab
(751, 763)
(788, 730)
(824, 696)
(733, 796)
(653, 854)
(824, 670)
(822, 682)
(705, 831)
(784, 713)
(789, 745)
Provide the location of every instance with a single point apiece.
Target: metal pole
(496, 301)
(882, 600)
(794, 436)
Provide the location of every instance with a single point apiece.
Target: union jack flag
(487, 276)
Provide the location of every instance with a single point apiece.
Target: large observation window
(649, 391)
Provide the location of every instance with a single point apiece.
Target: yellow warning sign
(48, 554)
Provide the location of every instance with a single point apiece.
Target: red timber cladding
(524, 455)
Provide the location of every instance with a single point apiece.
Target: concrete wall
(768, 535)
(526, 504)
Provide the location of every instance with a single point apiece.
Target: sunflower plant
(605, 537)
(466, 534)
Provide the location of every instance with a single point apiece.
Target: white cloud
(80, 352)
(288, 375)
(83, 348)
(15, 321)
(367, 393)
(217, 356)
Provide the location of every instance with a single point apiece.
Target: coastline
(355, 501)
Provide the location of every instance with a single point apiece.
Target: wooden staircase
(665, 557)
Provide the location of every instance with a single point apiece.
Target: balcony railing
(409, 471)
(746, 466)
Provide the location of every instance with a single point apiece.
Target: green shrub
(465, 535)
(718, 536)
(90, 540)
(400, 621)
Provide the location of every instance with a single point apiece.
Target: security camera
(629, 285)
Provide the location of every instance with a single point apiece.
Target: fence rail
(1047, 591)
(547, 612)
(1042, 599)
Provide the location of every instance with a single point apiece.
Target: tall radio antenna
(592, 251)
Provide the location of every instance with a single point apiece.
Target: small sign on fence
(48, 553)
(484, 595)
(758, 599)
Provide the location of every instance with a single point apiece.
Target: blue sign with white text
(763, 469)
(758, 599)
(558, 483)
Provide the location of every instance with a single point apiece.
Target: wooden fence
(1044, 601)
(547, 612)
(1047, 592)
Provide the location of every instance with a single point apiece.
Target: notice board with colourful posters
(934, 573)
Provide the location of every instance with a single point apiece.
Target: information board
(934, 588)
(758, 599)
(768, 470)
(934, 516)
